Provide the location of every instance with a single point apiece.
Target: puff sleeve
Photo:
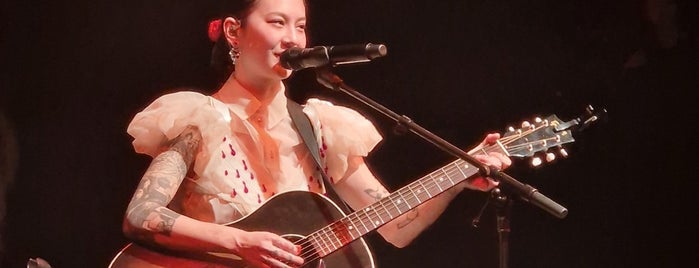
(166, 117)
(343, 133)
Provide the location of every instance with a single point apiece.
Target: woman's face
(271, 27)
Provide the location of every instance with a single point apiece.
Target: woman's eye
(277, 22)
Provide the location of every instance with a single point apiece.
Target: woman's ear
(231, 27)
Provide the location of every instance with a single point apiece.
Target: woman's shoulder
(180, 97)
(168, 115)
(331, 114)
(342, 128)
(328, 110)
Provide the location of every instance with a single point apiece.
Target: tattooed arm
(148, 220)
(360, 188)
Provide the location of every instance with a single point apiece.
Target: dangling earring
(234, 53)
(235, 50)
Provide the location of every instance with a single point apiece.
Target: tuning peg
(563, 152)
(536, 161)
(525, 124)
(510, 129)
(550, 157)
(589, 109)
(537, 120)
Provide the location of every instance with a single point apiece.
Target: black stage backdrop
(75, 72)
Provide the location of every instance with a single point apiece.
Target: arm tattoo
(410, 216)
(187, 144)
(147, 210)
(376, 193)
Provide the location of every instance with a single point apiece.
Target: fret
(432, 188)
(366, 212)
(320, 248)
(426, 189)
(402, 198)
(366, 230)
(393, 201)
(417, 189)
(440, 179)
(413, 192)
(470, 170)
(341, 232)
(351, 227)
(377, 223)
(336, 237)
(458, 166)
(332, 242)
(448, 177)
(390, 216)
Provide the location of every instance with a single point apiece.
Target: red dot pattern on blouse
(246, 190)
(233, 153)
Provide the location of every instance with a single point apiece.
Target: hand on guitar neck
(493, 159)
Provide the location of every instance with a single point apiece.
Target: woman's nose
(292, 38)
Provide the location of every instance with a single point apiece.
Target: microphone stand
(327, 78)
(503, 205)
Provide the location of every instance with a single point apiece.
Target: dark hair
(220, 60)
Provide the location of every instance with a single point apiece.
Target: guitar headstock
(544, 134)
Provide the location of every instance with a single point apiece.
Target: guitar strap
(303, 126)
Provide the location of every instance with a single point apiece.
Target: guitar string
(340, 226)
(409, 190)
(451, 171)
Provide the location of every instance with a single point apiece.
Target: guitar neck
(361, 222)
(531, 138)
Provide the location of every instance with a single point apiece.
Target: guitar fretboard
(531, 138)
(361, 222)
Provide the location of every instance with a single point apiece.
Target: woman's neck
(263, 89)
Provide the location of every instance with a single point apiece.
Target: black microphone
(300, 58)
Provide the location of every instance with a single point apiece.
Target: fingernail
(298, 249)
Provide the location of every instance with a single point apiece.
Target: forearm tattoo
(147, 210)
(409, 217)
(376, 194)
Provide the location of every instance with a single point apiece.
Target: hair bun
(214, 30)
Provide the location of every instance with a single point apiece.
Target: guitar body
(293, 215)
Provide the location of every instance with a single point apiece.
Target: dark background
(75, 72)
